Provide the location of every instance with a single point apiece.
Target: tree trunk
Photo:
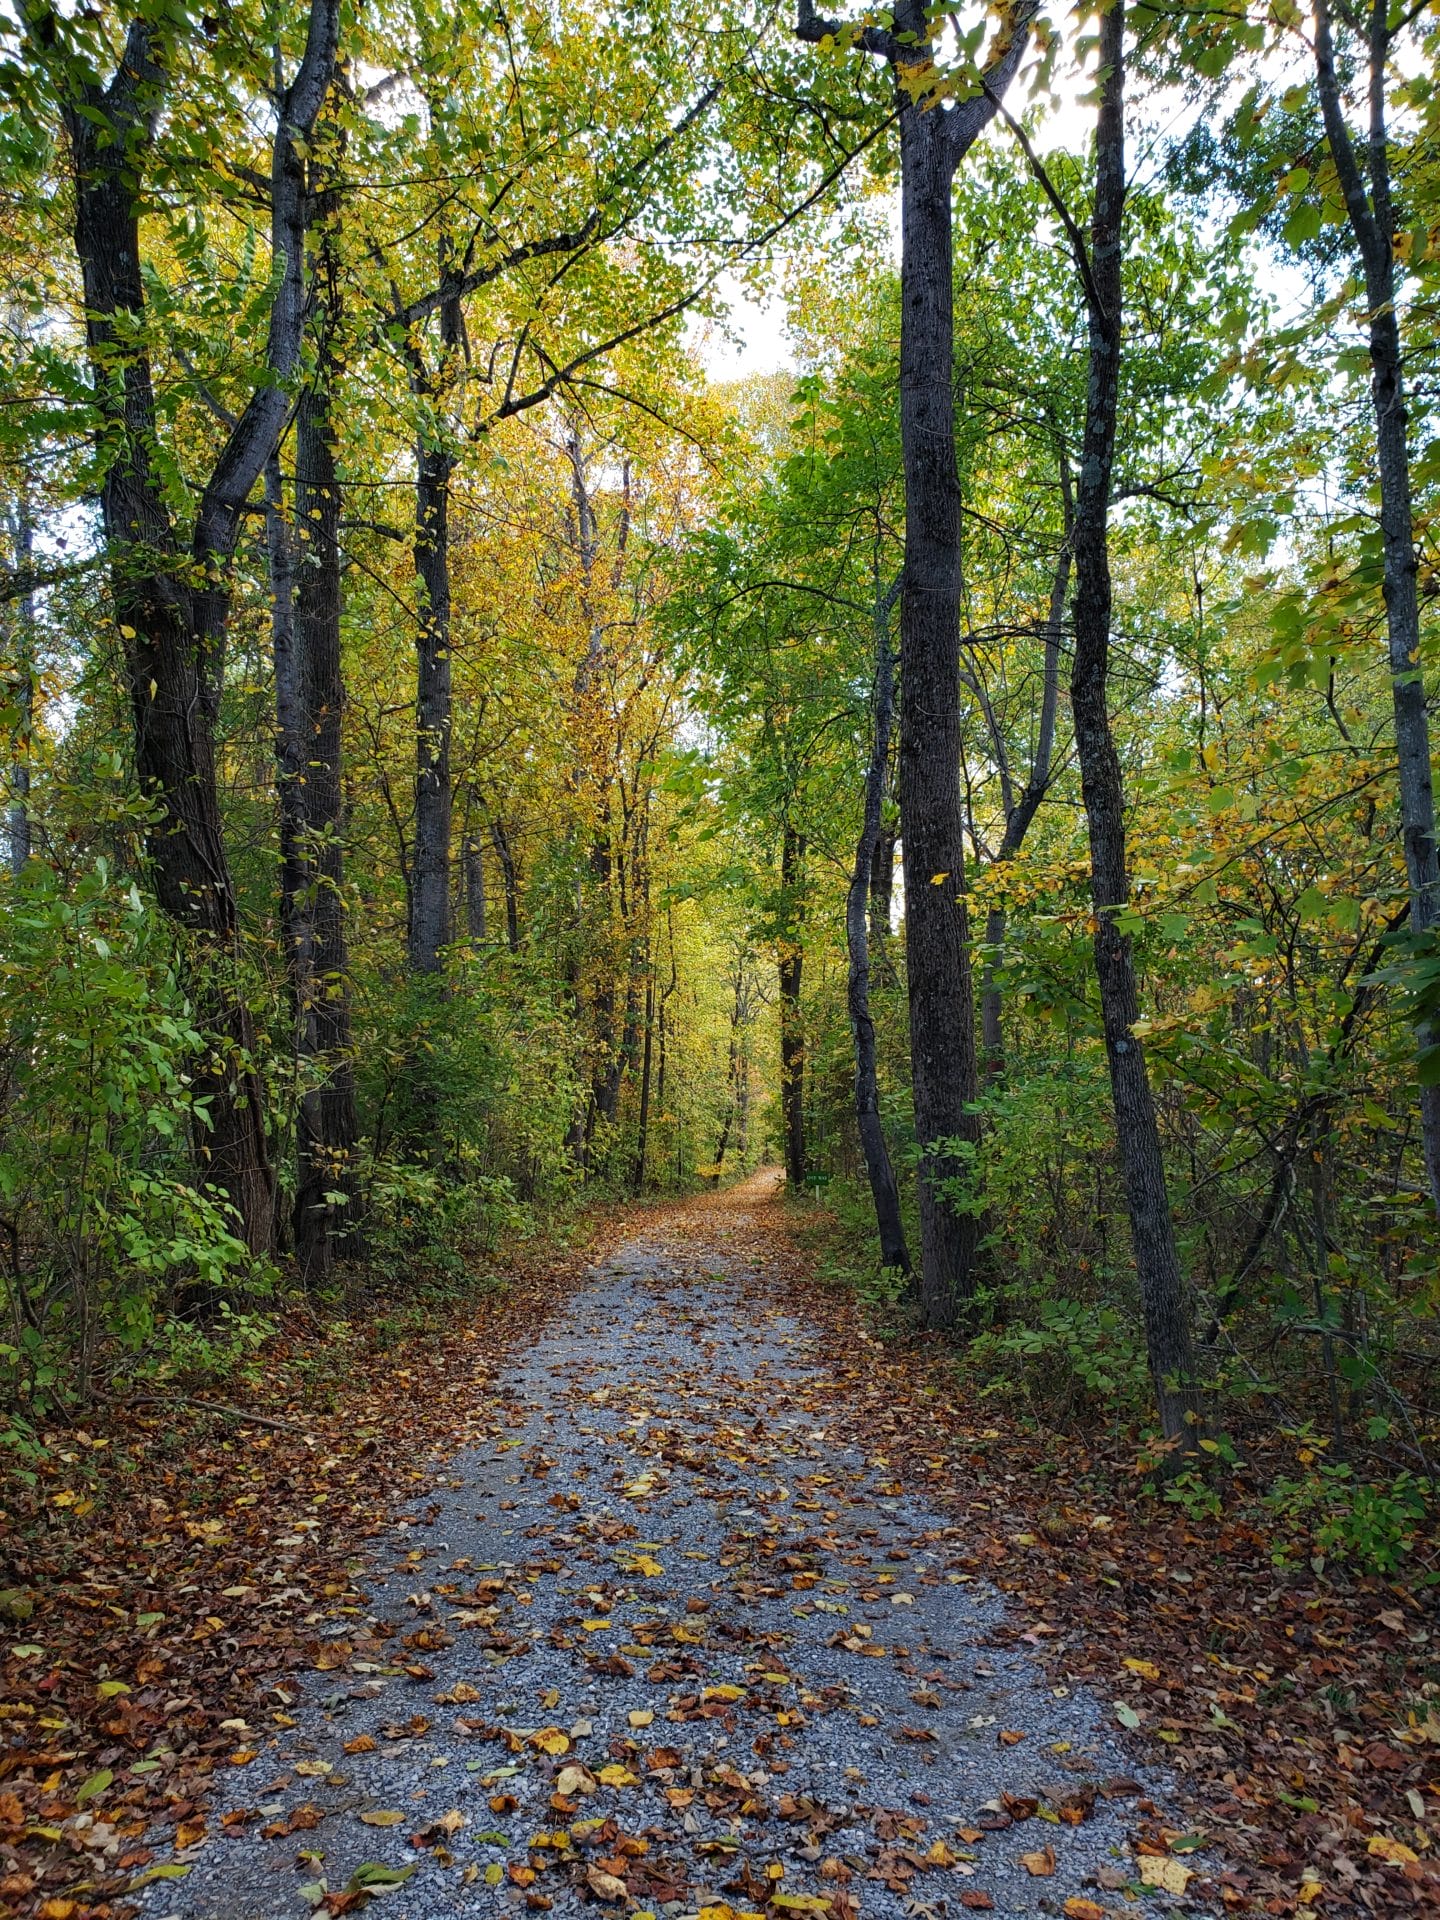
(26, 668)
(500, 840)
(792, 1030)
(290, 739)
(1157, 1261)
(934, 138)
(1372, 221)
(882, 882)
(642, 1131)
(327, 1193)
(1019, 817)
(937, 956)
(434, 712)
(475, 915)
(883, 1189)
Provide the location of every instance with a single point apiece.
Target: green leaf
(373, 1874)
(1303, 225)
(173, 1870)
(1126, 1715)
(97, 1783)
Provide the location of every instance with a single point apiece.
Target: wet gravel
(763, 1666)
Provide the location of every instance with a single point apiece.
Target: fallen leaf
(1159, 1870)
(1394, 1852)
(382, 1817)
(1041, 1863)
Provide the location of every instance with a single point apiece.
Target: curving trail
(663, 1645)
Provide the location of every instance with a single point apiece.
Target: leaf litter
(680, 1597)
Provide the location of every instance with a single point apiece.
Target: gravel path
(666, 1645)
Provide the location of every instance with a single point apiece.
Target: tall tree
(1100, 263)
(327, 1193)
(884, 1192)
(936, 132)
(1370, 208)
(171, 595)
(791, 963)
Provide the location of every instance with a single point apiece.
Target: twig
(215, 1406)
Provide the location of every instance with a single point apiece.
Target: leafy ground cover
(196, 1600)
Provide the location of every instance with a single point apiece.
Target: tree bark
(26, 669)
(1372, 222)
(1019, 817)
(883, 1189)
(434, 799)
(792, 1030)
(937, 953)
(1162, 1291)
(327, 1193)
(475, 906)
(500, 840)
(642, 1130)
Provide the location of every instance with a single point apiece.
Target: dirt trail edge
(663, 1643)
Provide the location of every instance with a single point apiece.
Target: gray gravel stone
(664, 1513)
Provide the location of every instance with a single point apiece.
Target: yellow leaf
(1395, 1852)
(1159, 1870)
(725, 1692)
(551, 1740)
(641, 1716)
(382, 1817)
(1146, 1669)
(617, 1776)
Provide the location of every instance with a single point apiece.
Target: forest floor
(659, 1584)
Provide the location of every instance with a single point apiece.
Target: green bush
(97, 1113)
(1330, 1513)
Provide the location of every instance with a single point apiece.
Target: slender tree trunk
(883, 1189)
(500, 840)
(642, 1130)
(434, 712)
(475, 914)
(792, 1029)
(26, 668)
(1372, 222)
(937, 955)
(434, 803)
(1019, 817)
(882, 882)
(327, 1192)
(290, 742)
(1162, 1290)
